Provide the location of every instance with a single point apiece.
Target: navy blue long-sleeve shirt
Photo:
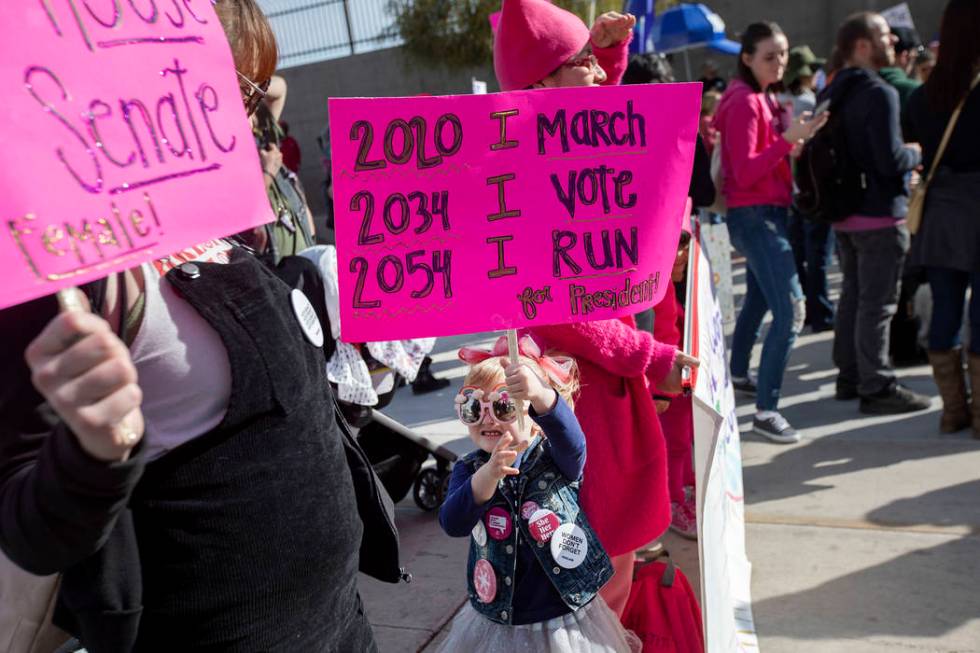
(879, 150)
(535, 598)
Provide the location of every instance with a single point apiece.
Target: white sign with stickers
(725, 570)
(899, 16)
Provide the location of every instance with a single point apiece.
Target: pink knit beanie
(533, 39)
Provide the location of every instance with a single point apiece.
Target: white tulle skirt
(591, 629)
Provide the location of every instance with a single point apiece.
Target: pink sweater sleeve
(746, 164)
(612, 345)
(661, 362)
(613, 60)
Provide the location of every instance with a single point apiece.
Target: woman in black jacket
(948, 242)
(174, 454)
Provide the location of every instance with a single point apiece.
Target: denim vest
(542, 483)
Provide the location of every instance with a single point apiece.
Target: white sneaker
(776, 428)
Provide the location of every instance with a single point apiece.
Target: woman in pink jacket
(624, 491)
(757, 140)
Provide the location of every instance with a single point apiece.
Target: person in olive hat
(801, 71)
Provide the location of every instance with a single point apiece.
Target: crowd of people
(170, 444)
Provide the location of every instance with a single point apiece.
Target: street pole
(350, 31)
(592, 12)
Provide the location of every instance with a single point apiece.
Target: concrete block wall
(392, 72)
(383, 73)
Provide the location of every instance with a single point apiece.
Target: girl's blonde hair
(490, 373)
(709, 103)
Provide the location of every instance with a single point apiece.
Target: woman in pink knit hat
(624, 491)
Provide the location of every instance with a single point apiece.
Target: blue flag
(645, 12)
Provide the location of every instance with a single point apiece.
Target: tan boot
(947, 370)
(973, 361)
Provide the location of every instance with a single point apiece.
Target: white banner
(899, 16)
(726, 599)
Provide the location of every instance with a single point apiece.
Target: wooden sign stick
(515, 360)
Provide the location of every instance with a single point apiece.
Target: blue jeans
(813, 249)
(948, 292)
(760, 233)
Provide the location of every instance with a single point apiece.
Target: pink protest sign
(473, 213)
(124, 139)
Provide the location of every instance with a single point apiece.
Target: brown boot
(974, 365)
(947, 370)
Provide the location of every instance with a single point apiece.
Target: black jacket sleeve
(57, 503)
(890, 156)
(702, 189)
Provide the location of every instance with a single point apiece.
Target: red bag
(662, 609)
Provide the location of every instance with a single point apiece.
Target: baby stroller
(364, 385)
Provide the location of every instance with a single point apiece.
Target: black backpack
(830, 185)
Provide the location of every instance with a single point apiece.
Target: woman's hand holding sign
(673, 382)
(85, 372)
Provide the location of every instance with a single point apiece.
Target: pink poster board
(124, 139)
(463, 214)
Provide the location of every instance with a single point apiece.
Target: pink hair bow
(556, 367)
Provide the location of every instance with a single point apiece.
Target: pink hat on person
(534, 38)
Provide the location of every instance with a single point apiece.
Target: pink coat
(677, 422)
(613, 60)
(668, 319)
(754, 154)
(624, 492)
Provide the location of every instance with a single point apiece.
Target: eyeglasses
(583, 60)
(471, 407)
(252, 93)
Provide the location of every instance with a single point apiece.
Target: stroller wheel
(444, 486)
(428, 491)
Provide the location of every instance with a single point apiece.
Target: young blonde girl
(539, 45)
(535, 565)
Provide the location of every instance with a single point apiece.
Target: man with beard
(874, 240)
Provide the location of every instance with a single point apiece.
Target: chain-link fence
(315, 30)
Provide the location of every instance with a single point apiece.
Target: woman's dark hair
(959, 55)
(753, 35)
(684, 240)
(253, 45)
(648, 69)
(835, 63)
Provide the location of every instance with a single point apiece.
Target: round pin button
(499, 526)
(309, 323)
(190, 270)
(528, 509)
(569, 546)
(543, 525)
(485, 581)
(480, 534)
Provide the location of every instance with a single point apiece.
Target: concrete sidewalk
(864, 537)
